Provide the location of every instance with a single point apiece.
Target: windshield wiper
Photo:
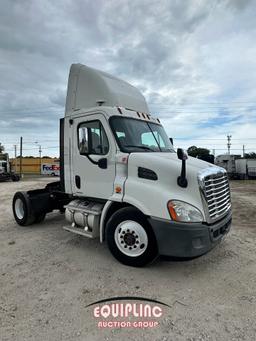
(138, 146)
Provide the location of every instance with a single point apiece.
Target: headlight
(183, 212)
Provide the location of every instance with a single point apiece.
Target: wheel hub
(19, 208)
(131, 238)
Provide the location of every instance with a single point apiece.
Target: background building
(227, 161)
(31, 165)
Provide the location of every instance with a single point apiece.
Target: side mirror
(103, 163)
(182, 180)
(171, 140)
(182, 155)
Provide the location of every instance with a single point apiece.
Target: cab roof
(88, 88)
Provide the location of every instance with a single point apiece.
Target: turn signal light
(172, 211)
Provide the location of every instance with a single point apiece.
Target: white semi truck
(6, 173)
(122, 181)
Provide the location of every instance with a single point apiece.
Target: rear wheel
(15, 177)
(39, 218)
(22, 209)
(130, 238)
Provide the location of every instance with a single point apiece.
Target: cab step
(79, 230)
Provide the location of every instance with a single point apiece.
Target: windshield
(134, 135)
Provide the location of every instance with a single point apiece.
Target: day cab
(122, 181)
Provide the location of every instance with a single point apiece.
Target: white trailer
(246, 168)
(227, 161)
(251, 164)
(122, 181)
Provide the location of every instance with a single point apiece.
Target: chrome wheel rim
(131, 238)
(19, 208)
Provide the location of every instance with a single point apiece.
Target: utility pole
(243, 150)
(40, 155)
(15, 155)
(21, 140)
(229, 143)
(40, 158)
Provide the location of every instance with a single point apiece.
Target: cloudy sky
(193, 60)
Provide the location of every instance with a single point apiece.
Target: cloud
(193, 60)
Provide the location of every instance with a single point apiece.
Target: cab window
(92, 138)
(152, 140)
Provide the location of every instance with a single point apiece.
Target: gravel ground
(48, 276)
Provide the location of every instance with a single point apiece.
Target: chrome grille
(216, 192)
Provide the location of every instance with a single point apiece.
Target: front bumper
(186, 240)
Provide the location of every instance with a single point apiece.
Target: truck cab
(6, 172)
(3, 166)
(122, 181)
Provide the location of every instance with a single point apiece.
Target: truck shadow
(92, 248)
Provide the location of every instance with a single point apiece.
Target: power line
(211, 109)
(9, 149)
(217, 104)
(32, 110)
(205, 103)
(206, 139)
(31, 142)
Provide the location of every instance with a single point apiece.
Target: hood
(167, 167)
(170, 159)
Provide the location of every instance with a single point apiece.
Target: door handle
(78, 181)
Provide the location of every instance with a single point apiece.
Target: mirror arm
(90, 159)
(183, 169)
(101, 163)
(182, 180)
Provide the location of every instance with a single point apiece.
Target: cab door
(93, 157)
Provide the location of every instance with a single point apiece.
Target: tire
(130, 238)
(15, 177)
(22, 209)
(39, 218)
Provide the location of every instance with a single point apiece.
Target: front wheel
(130, 238)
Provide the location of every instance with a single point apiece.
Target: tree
(201, 153)
(25, 157)
(198, 152)
(251, 155)
(1, 148)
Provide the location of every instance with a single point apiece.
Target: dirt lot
(48, 276)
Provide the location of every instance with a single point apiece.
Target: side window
(92, 138)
